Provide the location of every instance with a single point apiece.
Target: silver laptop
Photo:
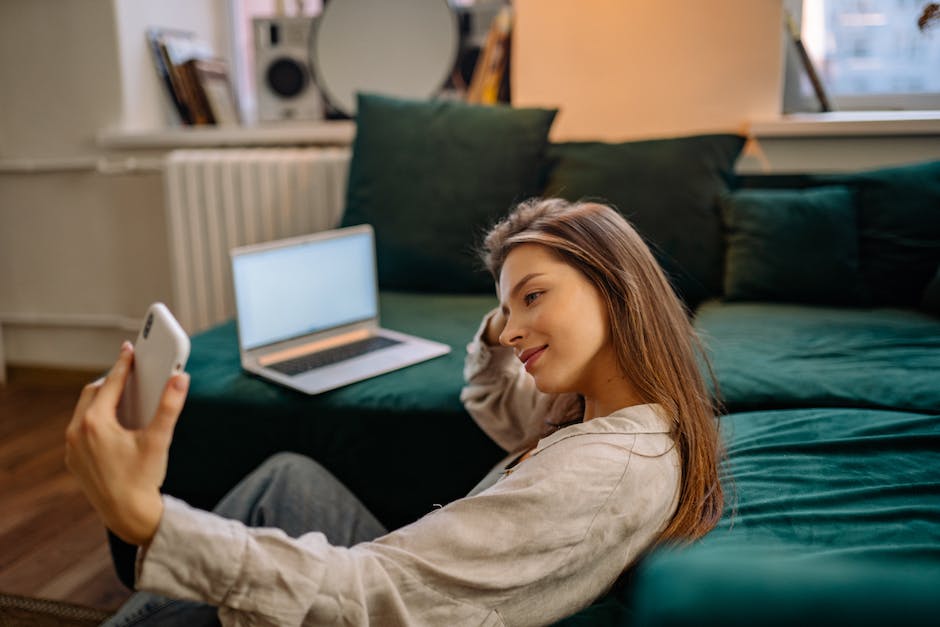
(308, 312)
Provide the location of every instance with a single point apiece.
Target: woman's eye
(531, 296)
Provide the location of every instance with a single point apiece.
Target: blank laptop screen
(299, 289)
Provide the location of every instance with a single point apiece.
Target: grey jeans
(288, 491)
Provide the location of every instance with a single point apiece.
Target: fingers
(494, 327)
(85, 399)
(113, 385)
(171, 404)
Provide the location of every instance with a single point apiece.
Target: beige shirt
(540, 543)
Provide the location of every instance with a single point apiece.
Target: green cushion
(610, 609)
(777, 355)
(401, 441)
(774, 587)
(834, 519)
(859, 481)
(792, 246)
(931, 298)
(899, 225)
(431, 177)
(668, 189)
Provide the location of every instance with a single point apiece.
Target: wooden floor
(51, 544)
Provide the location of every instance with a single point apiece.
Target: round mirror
(404, 48)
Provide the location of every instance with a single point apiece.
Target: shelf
(330, 133)
(849, 124)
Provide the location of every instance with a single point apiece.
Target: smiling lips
(530, 356)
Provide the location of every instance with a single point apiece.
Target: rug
(16, 611)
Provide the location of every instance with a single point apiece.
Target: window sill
(843, 141)
(327, 133)
(849, 124)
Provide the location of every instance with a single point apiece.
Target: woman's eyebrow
(519, 286)
(523, 281)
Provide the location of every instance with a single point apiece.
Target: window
(869, 54)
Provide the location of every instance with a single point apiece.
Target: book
(213, 95)
(194, 95)
(162, 66)
(171, 49)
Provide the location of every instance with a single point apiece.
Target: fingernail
(181, 382)
(126, 346)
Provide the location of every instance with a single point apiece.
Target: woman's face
(556, 322)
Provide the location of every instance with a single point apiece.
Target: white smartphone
(161, 350)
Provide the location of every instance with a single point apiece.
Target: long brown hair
(657, 348)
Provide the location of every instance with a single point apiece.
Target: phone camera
(147, 326)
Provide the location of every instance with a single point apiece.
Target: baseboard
(63, 347)
(34, 376)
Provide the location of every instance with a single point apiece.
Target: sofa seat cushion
(761, 586)
(778, 356)
(401, 441)
(832, 480)
(833, 517)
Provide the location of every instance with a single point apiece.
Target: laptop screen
(302, 288)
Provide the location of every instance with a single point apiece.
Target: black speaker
(283, 81)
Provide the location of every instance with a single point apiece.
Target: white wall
(144, 105)
(630, 69)
(621, 70)
(82, 253)
(59, 72)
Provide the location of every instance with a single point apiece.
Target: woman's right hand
(494, 327)
(121, 470)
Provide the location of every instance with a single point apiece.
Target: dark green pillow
(430, 177)
(668, 189)
(792, 246)
(899, 229)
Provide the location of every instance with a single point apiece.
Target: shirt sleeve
(537, 546)
(502, 398)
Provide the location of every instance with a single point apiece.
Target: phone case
(161, 350)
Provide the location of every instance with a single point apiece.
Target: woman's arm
(537, 546)
(120, 470)
(502, 397)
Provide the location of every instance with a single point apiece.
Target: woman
(586, 372)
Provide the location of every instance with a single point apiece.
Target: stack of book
(197, 84)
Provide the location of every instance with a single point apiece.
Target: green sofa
(816, 298)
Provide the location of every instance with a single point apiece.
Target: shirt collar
(634, 420)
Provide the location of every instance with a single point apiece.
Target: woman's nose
(511, 334)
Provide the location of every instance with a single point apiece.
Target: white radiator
(219, 199)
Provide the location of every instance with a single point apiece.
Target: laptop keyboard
(304, 363)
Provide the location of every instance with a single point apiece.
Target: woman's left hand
(121, 470)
